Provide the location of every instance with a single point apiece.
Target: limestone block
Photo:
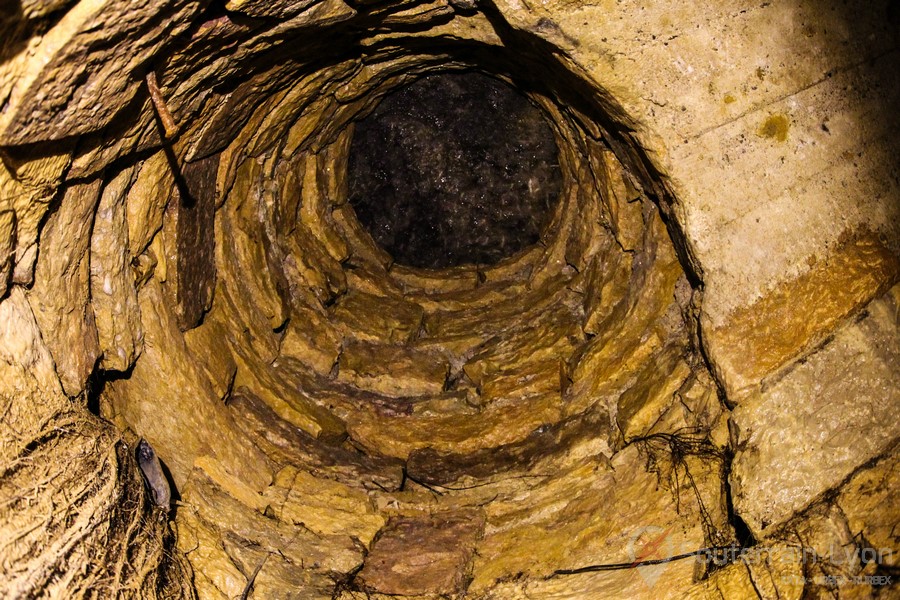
(606, 287)
(545, 450)
(834, 411)
(332, 509)
(311, 339)
(167, 401)
(549, 337)
(869, 503)
(341, 399)
(297, 138)
(551, 263)
(490, 309)
(113, 293)
(231, 112)
(280, 9)
(316, 206)
(75, 78)
(653, 392)
(498, 424)
(287, 444)
(520, 382)
(206, 344)
(250, 297)
(512, 269)
(61, 296)
(334, 185)
(419, 14)
(373, 280)
(461, 401)
(134, 131)
(231, 484)
(373, 318)
(392, 370)
(288, 399)
(147, 199)
(28, 185)
(427, 554)
(759, 339)
(225, 541)
(417, 282)
(618, 356)
(623, 201)
(362, 249)
(290, 106)
(307, 264)
(29, 385)
(589, 236)
(585, 515)
(221, 48)
(287, 198)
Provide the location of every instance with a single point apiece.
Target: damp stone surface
(693, 371)
(456, 168)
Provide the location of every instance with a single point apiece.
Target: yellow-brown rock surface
(699, 352)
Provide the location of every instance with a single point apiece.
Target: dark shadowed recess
(456, 168)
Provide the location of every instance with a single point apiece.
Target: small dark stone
(454, 169)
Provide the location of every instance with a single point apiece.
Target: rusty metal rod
(159, 103)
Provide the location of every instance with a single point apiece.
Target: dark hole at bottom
(454, 169)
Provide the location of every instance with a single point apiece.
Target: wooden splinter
(159, 103)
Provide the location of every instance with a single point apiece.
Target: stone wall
(698, 357)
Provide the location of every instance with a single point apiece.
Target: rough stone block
(57, 93)
(833, 412)
(759, 339)
(312, 340)
(61, 296)
(393, 370)
(148, 197)
(869, 503)
(377, 318)
(653, 392)
(113, 291)
(29, 179)
(426, 554)
(334, 508)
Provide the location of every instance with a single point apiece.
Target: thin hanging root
(159, 103)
